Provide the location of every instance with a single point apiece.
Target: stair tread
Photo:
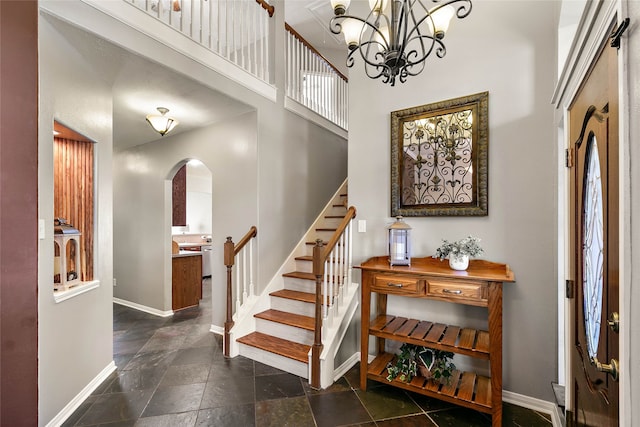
(280, 346)
(304, 258)
(300, 275)
(326, 229)
(291, 319)
(306, 276)
(334, 216)
(295, 295)
(324, 243)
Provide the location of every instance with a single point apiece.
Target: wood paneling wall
(180, 197)
(73, 193)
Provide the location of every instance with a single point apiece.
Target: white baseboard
(144, 308)
(344, 368)
(70, 408)
(534, 404)
(217, 329)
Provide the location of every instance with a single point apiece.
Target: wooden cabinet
(186, 281)
(429, 278)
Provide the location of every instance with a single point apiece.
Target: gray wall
(142, 215)
(515, 61)
(271, 169)
(75, 336)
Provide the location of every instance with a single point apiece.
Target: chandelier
(397, 36)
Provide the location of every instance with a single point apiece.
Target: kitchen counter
(186, 253)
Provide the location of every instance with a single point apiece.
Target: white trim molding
(219, 330)
(308, 114)
(346, 365)
(75, 403)
(534, 404)
(60, 296)
(144, 308)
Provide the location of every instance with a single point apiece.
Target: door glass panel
(592, 247)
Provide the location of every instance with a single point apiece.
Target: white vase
(460, 262)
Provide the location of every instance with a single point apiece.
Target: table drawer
(457, 289)
(390, 284)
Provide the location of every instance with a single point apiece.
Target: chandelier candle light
(397, 36)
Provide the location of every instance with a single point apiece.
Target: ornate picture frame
(440, 158)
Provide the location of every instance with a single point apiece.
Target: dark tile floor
(171, 373)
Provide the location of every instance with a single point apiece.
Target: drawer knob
(454, 292)
(394, 285)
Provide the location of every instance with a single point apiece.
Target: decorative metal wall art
(439, 158)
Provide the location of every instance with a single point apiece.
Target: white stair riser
(307, 267)
(284, 363)
(301, 285)
(293, 306)
(283, 331)
(304, 266)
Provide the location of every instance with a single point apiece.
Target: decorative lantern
(66, 264)
(399, 243)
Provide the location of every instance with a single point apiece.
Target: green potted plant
(459, 251)
(435, 365)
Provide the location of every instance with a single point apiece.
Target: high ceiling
(141, 85)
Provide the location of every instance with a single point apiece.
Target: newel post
(229, 257)
(316, 349)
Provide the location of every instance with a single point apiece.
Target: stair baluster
(231, 250)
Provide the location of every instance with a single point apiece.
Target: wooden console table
(429, 278)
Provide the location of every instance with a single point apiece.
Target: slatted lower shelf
(465, 388)
(470, 342)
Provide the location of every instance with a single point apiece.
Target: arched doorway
(191, 225)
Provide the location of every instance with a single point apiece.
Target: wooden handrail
(320, 255)
(253, 232)
(230, 251)
(266, 6)
(314, 50)
(351, 213)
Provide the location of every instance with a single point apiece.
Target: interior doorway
(191, 208)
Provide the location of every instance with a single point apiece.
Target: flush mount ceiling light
(397, 36)
(162, 123)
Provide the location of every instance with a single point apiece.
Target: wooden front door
(593, 119)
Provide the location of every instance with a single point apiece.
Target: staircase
(284, 329)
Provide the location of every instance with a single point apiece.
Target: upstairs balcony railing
(314, 82)
(237, 30)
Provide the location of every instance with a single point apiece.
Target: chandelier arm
(367, 61)
(462, 11)
(335, 24)
(377, 63)
(408, 40)
(404, 18)
(437, 45)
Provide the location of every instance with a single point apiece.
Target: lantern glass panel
(399, 247)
